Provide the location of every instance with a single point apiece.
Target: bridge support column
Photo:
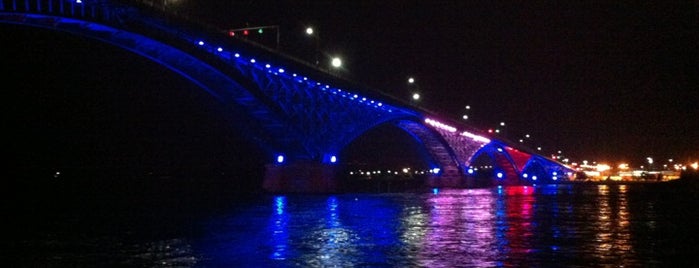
(451, 178)
(300, 177)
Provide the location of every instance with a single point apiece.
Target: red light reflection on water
(488, 224)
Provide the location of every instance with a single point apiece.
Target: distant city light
(280, 159)
(309, 31)
(416, 96)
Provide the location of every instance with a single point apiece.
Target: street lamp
(336, 62)
(415, 89)
(312, 34)
(465, 116)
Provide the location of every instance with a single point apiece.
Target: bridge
(300, 116)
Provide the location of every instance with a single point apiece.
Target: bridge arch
(493, 161)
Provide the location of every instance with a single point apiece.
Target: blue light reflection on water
(509, 226)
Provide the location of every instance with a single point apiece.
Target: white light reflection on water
(280, 238)
(476, 228)
(613, 237)
(334, 244)
(510, 226)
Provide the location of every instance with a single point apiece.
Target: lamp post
(468, 109)
(415, 90)
(336, 62)
(311, 32)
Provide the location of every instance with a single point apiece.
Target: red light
(245, 32)
(490, 130)
(231, 33)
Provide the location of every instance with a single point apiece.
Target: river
(646, 225)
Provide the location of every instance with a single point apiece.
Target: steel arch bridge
(302, 117)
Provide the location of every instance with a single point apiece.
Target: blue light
(201, 43)
(237, 55)
(435, 190)
(533, 178)
(267, 66)
(470, 171)
(280, 203)
(525, 175)
(252, 60)
(280, 159)
(219, 49)
(333, 159)
(281, 70)
(499, 175)
(554, 178)
(436, 170)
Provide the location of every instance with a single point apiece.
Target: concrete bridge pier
(300, 177)
(451, 178)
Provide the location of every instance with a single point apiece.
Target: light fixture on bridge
(330, 158)
(280, 158)
(336, 62)
(500, 175)
(440, 125)
(416, 96)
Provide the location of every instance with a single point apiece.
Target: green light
(259, 31)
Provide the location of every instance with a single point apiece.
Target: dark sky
(602, 81)
(598, 80)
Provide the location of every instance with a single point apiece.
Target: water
(543, 226)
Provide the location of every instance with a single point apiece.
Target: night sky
(600, 81)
